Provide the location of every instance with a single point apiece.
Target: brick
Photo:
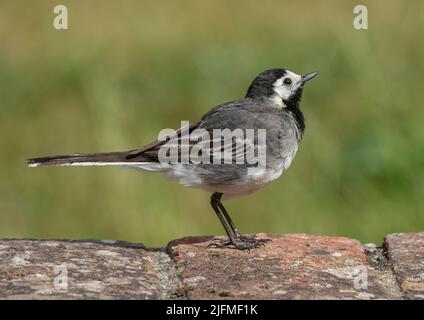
(295, 266)
(405, 251)
(95, 270)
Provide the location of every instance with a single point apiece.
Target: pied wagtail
(272, 102)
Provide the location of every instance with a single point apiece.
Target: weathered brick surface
(293, 266)
(406, 252)
(95, 269)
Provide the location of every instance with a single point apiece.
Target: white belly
(250, 183)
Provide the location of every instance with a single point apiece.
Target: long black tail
(94, 159)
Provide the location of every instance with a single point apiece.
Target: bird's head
(282, 86)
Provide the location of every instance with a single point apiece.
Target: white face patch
(285, 88)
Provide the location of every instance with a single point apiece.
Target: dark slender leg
(215, 203)
(230, 222)
(236, 239)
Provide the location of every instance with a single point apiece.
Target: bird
(271, 104)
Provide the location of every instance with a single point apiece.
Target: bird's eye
(287, 81)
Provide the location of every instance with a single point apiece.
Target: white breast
(254, 182)
(277, 168)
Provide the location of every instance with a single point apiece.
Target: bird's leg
(236, 239)
(215, 200)
(228, 218)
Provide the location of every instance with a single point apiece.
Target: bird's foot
(219, 243)
(253, 240)
(241, 242)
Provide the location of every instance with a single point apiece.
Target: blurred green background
(125, 70)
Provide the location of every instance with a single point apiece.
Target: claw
(253, 240)
(219, 243)
(240, 243)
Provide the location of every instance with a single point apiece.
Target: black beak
(308, 76)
